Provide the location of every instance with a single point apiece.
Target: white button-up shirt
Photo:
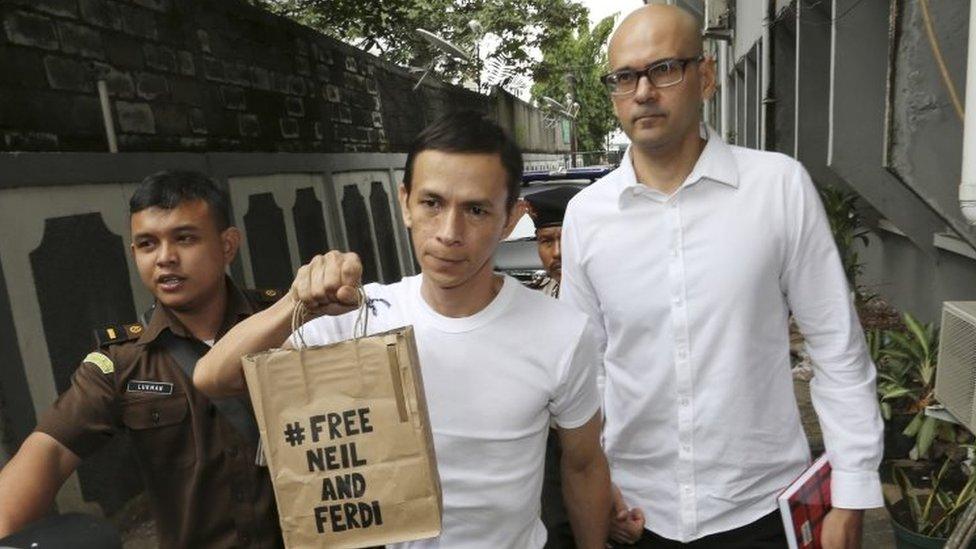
(693, 293)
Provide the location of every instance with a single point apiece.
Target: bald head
(661, 119)
(657, 27)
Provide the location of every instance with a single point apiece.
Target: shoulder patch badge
(262, 298)
(101, 361)
(112, 335)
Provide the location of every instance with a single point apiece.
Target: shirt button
(155, 416)
(684, 402)
(239, 495)
(232, 451)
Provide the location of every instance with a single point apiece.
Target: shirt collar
(716, 163)
(238, 308)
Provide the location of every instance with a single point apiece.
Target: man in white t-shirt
(499, 361)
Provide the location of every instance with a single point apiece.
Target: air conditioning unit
(955, 377)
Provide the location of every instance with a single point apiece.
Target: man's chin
(443, 280)
(178, 303)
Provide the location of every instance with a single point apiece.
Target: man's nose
(451, 227)
(645, 91)
(166, 254)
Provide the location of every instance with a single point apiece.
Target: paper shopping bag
(348, 443)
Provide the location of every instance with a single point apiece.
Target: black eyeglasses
(663, 74)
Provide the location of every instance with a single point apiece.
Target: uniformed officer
(547, 208)
(196, 456)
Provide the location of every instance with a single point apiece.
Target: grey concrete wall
(782, 126)
(914, 281)
(870, 112)
(925, 133)
(527, 126)
(858, 119)
(749, 16)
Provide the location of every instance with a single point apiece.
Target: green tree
(387, 27)
(583, 55)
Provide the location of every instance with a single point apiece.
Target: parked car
(517, 255)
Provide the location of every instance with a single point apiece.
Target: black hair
(469, 131)
(170, 188)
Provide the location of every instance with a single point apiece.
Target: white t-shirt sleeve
(576, 398)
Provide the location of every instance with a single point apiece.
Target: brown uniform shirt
(204, 488)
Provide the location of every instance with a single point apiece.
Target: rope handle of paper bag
(300, 312)
(298, 315)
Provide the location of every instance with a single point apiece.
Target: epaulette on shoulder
(113, 335)
(262, 298)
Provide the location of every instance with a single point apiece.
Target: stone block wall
(205, 75)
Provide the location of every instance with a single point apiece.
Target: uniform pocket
(160, 429)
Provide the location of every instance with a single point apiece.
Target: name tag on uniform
(153, 387)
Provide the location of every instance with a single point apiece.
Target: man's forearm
(31, 480)
(586, 492)
(219, 373)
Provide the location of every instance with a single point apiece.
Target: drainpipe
(967, 189)
(113, 143)
(764, 77)
(723, 77)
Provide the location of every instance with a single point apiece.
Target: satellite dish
(569, 111)
(575, 109)
(519, 83)
(552, 103)
(446, 49)
(444, 46)
(497, 72)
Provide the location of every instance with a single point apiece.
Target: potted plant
(906, 362)
(930, 502)
(847, 226)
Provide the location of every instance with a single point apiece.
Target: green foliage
(906, 362)
(847, 226)
(934, 510)
(388, 27)
(582, 54)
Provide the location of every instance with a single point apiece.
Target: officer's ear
(404, 195)
(230, 241)
(515, 213)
